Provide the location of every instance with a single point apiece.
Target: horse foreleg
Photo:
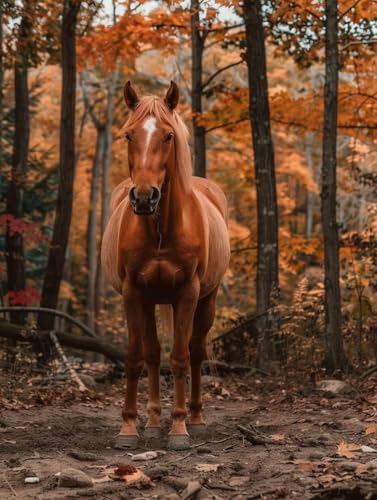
(203, 320)
(136, 322)
(184, 309)
(152, 359)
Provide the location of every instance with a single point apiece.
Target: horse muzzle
(144, 202)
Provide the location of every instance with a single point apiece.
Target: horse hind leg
(203, 320)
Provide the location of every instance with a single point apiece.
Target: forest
(280, 101)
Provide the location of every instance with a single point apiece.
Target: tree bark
(267, 211)
(1, 80)
(199, 133)
(91, 245)
(56, 257)
(14, 242)
(334, 357)
(107, 154)
(310, 197)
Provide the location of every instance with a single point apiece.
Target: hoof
(152, 433)
(197, 430)
(125, 442)
(178, 442)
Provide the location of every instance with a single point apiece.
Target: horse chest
(160, 276)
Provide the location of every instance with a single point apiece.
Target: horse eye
(128, 137)
(168, 137)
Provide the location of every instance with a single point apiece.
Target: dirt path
(300, 457)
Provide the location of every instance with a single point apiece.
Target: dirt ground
(314, 445)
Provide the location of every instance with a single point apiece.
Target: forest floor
(314, 444)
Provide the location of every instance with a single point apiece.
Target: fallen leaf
(103, 479)
(125, 472)
(360, 469)
(328, 478)
(277, 437)
(368, 449)
(135, 477)
(148, 455)
(207, 467)
(306, 466)
(191, 489)
(124, 469)
(347, 449)
(225, 392)
(371, 429)
(372, 464)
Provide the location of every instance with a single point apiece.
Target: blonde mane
(152, 105)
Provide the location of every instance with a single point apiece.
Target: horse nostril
(155, 196)
(132, 195)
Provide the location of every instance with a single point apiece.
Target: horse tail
(167, 319)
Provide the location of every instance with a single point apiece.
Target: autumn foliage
(150, 44)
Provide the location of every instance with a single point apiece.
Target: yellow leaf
(347, 449)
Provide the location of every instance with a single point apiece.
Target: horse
(166, 243)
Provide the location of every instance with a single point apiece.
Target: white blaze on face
(150, 127)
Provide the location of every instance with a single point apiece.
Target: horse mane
(152, 105)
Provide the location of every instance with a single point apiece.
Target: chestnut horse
(166, 243)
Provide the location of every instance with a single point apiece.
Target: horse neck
(174, 199)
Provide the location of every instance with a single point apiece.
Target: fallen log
(232, 346)
(114, 353)
(53, 312)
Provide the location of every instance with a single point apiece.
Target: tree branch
(348, 10)
(54, 312)
(220, 70)
(358, 42)
(224, 125)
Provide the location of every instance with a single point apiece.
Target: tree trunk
(335, 356)
(91, 245)
(199, 133)
(1, 80)
(100, 284)
(14, 242)
(310, 197)
(267, 211)
(56, 257)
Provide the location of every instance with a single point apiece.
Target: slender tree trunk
(199, 133)
(1, 81)
(310, 197)
(14, 242)
(100, 284)
(335, 356)
(56, 257)
(267, 211)
(91, 245)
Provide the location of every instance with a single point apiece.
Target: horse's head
(150, 143)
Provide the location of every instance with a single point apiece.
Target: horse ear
(172, 95)
(130, 96)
